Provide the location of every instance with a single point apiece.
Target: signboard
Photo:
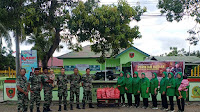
(82, 67)
(158, 67)
(194, 91)
(10, 90)
(29, 61)
(69, 68)
(94, 67)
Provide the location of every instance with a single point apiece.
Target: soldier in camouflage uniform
(22, 91)
(47, 86)
(87, 88)
(36, 87)
(62, 88)
(75, 80)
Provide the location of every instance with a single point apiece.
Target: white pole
(105, 70)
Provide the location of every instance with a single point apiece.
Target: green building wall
(122, 60)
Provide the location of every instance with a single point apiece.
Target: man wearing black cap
(47, 90)
(36, 87)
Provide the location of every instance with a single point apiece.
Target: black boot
(31, 110)
(45, 110)
(71, 107)
(48, 109)
(83, 106)
(38, 109)
(90, 105)
(77, 106)
(25, 110)
(59, 108)
(65, 107)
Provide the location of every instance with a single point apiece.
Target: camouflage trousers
(75, 91)
(22, 102)
(62, 94)
(35, 97)
(87, 96)
(47, 97)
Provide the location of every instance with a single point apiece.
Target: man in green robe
(144, 86)
(154, 90)
(171, 90)
(121, 87)
(163, 90)
(128, 89)
(136, 89)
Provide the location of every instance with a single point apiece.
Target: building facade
(88, 59)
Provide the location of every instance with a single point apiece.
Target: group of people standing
(46, 82)
(169, 86)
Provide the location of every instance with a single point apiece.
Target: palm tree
(4, 35)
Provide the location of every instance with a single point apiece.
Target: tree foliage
(175, 52)
(6, 59)
(45, 23)
(177, 9)
(106, 27)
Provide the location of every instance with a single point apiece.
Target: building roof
(187, 59)
(87, 53)
(56, 62)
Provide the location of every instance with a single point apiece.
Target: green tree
(106, 27)
(41, 44)
(6, 59)
(45, 27)
(44, 21)
(177, 9)
(175, 52)
(4, 35)
(11, 17)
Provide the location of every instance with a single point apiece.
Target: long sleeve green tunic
(144, 85)
(121, 82)
(171, 82)
(129, 84)
(136, 84)
(163, 83)
(153, 84)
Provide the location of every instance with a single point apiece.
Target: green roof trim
(134, 49)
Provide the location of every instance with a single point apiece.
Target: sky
(158, 35)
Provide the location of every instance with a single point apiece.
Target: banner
(29, 61)
(158, 67)
(94, 67)
(82, 67)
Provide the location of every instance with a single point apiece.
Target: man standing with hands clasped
(22, 91)
(62, 89)
(87, 88)
(47, 86)
(75, 80)
(36, 87)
